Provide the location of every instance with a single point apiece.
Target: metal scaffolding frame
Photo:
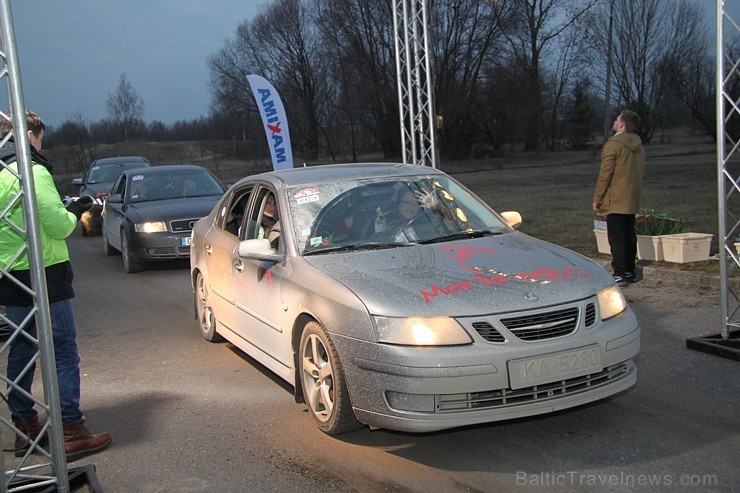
(727, 342)
(38, 467)
(414, 75)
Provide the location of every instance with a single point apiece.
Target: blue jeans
(66, 355)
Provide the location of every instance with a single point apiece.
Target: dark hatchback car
(98, 182)
(150, 212)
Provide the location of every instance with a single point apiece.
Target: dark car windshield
(349, 215)
(173, 185)
(107, 173)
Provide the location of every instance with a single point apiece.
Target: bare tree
(652, 41)
(289, 54)
(359, 44)
(125, 107)
(536, 28)
(464, 36)
(281, 44)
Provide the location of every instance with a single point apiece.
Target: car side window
(264, 219)
(233, 211)
(119, 186)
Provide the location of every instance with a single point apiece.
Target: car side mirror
(259, 249)
(114, 198)
(512, 218)
(77, 182)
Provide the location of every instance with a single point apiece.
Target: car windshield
(371, 214)
(174, 185)
(107, 173)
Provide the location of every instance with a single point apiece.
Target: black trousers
(620, 230)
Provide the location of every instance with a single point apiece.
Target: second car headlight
(421, 331)
(611, 302)
(151, 227)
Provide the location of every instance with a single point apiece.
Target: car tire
(204, 311)
(130, 265)
(322, 380)
(107, 249)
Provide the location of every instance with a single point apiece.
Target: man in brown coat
(617, 193)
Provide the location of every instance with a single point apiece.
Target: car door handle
(208, 248)
(238, 264)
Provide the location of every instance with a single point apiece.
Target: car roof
(339, 172)
(167, 168)
(120, 159)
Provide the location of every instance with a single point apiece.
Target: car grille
(539, 326)
(507, 398)
(488, 332)
(168, 252)
(183, 225)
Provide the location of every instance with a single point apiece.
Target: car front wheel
(322, 379)
(130, 265)
(206, 319)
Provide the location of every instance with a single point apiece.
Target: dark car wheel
(107, 249)
(129, 264)
(322, 379)
(206, 319)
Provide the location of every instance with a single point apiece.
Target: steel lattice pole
(36, 262)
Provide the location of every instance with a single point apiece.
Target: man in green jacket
(618, 190)
(56, 223)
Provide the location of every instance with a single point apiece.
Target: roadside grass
(555, 197)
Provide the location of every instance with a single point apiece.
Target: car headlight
(421, 331)
(151, 227)
(611, 302)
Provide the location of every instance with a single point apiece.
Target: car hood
(185, 208)
(488, 275)
(93, 189)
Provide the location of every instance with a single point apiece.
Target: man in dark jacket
(56, 223)
(618, 190)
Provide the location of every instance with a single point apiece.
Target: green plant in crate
(651, 223)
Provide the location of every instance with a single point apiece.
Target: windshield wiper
(463, 235)
(356, 247)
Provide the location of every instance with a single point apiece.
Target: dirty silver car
(391, 296)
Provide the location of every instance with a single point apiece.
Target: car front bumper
(160, 247)
(429, 389)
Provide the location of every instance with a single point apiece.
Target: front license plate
(553, 367)
(186, 240)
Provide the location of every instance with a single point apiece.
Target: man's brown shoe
(78, 441)
(32, 429)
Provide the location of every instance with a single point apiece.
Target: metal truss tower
(37, 467)
(413, 69)
(727, 343)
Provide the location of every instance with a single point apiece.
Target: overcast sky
(72, 53)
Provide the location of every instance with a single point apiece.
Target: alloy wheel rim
(318, 378)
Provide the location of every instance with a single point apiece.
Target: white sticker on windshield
(306, 200)
(307, 195)
(137, 177)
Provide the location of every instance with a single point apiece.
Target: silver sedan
(391, 296)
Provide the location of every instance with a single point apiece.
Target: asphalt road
(189, 416)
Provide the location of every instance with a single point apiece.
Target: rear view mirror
(259, 249)
(512, 218)
(114, 198)
(77, 182)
